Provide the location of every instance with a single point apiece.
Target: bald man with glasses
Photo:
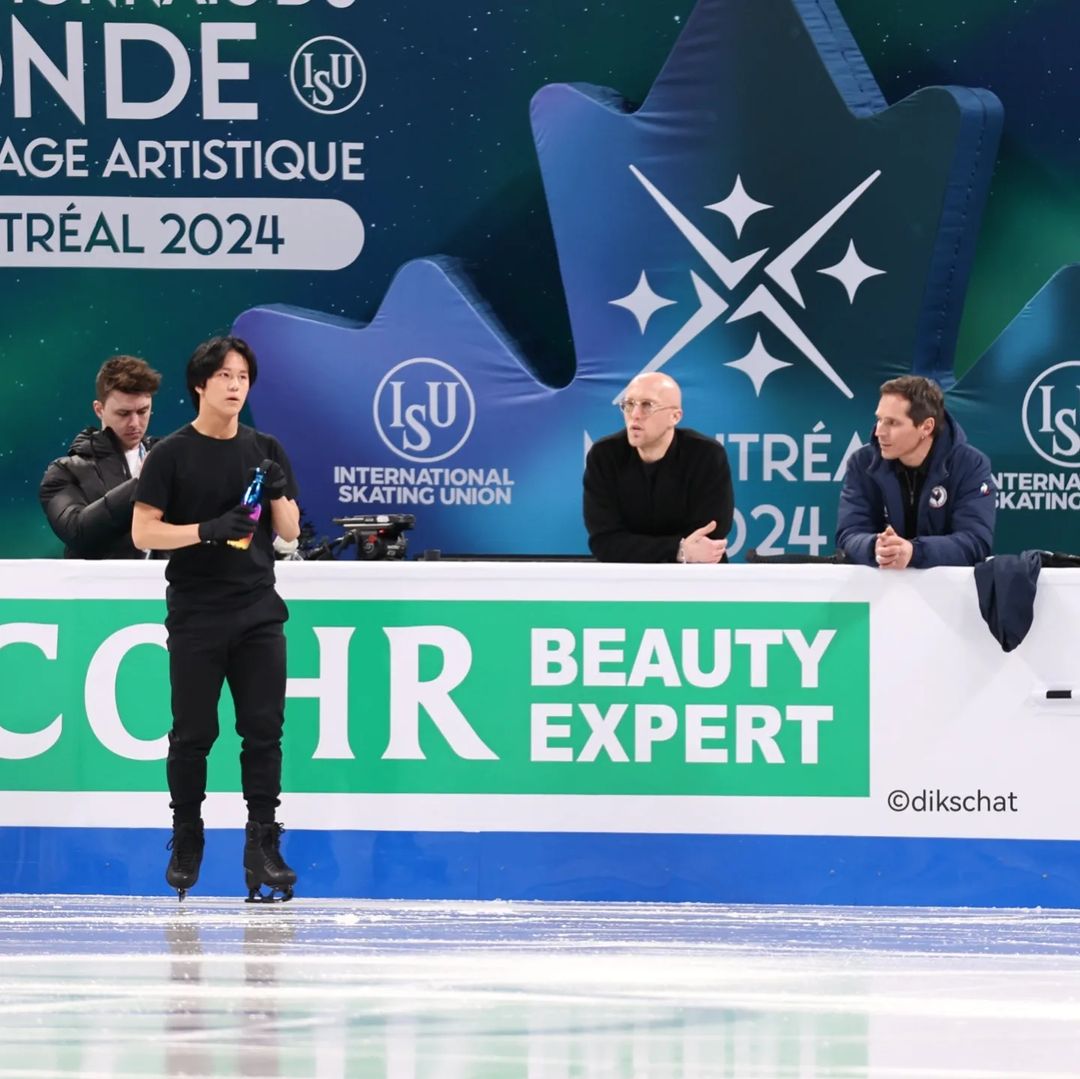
(657, 492)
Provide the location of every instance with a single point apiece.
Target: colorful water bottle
(253, 498)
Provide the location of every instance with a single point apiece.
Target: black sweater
(635, 512)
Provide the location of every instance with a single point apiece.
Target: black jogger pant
(246, 648)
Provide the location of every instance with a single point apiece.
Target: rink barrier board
(924, 707)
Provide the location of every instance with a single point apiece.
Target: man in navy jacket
(918, 494)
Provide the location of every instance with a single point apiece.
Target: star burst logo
(851, 271)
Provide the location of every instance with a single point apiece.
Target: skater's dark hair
(209, 358)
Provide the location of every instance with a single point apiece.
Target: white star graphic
(757, 364)
(851, 271)
(642, 303)
(738, 207)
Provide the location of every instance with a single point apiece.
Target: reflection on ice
(126, 987)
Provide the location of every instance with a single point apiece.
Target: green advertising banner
(467, 697)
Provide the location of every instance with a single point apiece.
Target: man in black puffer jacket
(88, 494)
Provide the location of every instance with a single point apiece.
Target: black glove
(234, 525)
(275, 482)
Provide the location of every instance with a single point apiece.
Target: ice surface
(105, 986)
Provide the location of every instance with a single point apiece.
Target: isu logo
(1051, 414)
(328, 75)
(424, 410)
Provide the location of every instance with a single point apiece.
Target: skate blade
(256, 895)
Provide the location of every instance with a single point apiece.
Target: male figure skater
(225, 619)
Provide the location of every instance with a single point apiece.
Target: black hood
(95, 442)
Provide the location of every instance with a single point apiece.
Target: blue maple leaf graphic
(763, 228)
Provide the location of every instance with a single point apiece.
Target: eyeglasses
(628, 404)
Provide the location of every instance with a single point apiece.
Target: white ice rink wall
(822, 734)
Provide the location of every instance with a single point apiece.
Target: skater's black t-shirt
(192, 478)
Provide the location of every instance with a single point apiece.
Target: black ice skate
(187, 850)
(263, 864)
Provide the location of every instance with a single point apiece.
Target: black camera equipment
(377, 535)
